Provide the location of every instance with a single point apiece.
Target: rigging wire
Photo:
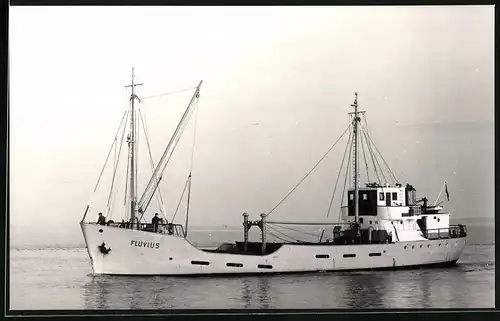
(195, 110)
(365, 128)
(159, 197)
(168, 93)
(112, 182)
(345, 180)
(295, 230)
(382, 157)
(277, 237)
(338, 176)
(182, 196)
(136, 147)
(127, 208)
(146, 193)
(152, 192)
(187, 206)
(373, 158)
(284, 234)
(364, 158)
(314, 167)
(374, 155)
(149, 192)
(114, 173)
(104, 166)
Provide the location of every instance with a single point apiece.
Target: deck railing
(165, 228)
(453, 231)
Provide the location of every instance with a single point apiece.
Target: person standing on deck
(155, 222)
(101, 220)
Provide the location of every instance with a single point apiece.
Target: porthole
(401, 222)
(405, 247)
(413, 246)
(384, 251)
(170, 258)
(428, 245)
(420, 245)
(370, 222)
(439, 244)
(434, 217)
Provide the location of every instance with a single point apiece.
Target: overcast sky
(278, 82)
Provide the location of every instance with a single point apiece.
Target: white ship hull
(135, 252)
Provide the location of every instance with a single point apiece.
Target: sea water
(54, 273)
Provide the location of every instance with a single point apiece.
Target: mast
(131, 144)
(356, 156)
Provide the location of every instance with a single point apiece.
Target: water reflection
(96, 293)
(255, 292)
(436, 288)
(364, 290)
(263, 292)
(425, 293)
(246, 295)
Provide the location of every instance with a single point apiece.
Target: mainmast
(356, 121)
(131, 144)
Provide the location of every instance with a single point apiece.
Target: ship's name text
(151, 245)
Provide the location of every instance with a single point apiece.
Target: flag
(446, 190)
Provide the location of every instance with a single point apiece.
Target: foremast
(132, 152)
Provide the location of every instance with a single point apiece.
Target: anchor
(103, 248)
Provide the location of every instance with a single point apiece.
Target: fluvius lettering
(151, 245)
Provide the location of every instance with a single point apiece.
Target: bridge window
(264, 266)
(394, 196)
(349, 255)
(322, 256)
(365, 196)
(200, 263)
(381, 196)
(375, 254)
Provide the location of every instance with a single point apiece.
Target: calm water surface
(59, 277)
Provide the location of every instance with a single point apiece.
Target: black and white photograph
(177, 158)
